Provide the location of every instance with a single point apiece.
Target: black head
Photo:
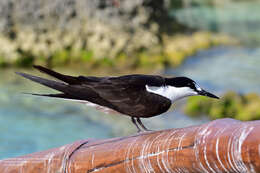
(181, 82)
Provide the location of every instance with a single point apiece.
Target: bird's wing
(128, 94)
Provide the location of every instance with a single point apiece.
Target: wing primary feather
(71, 98)
(65, 78)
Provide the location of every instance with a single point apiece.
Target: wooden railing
(224, 145)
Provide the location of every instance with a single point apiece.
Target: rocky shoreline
(98, 33)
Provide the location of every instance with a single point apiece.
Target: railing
(224, 145)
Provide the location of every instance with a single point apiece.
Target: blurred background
(214, 42)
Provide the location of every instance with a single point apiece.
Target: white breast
(171, 92)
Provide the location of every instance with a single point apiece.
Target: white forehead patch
(198, 87)
(171, 92)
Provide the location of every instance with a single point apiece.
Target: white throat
(171, 92)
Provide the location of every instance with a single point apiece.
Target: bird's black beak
(205, 93)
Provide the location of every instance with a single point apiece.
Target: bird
(135, 95)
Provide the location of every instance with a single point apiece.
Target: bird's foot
(144, 130)
(148, 130)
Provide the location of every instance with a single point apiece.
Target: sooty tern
(138, 96)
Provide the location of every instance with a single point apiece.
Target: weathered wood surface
(224, 145)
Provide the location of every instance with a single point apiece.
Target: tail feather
(60, 95)
(65, 78)
(49, 83)
(52, 84)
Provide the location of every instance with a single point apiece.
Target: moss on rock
(178, 48)
(233, 105)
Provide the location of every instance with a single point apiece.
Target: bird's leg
(141, 124)
(134, 121)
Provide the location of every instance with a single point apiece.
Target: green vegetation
(233, 105)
